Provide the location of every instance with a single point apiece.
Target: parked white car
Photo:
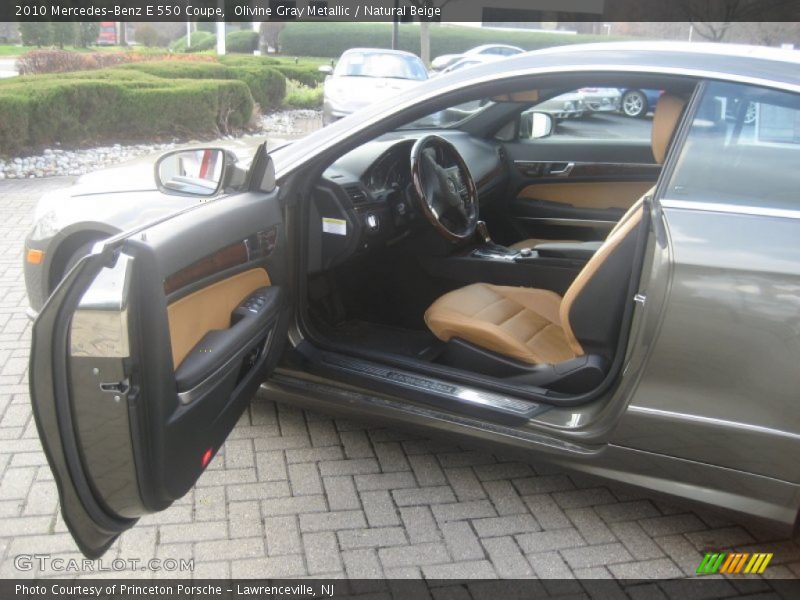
(500, 50)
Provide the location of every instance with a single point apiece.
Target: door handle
(564, 172)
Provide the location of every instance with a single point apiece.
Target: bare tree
(713, 19)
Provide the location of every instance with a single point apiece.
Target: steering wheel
(445, 190)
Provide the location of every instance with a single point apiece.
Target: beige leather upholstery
(522, 323)
(528, 324)
(665, 119)
(207, 309)
(588, 194)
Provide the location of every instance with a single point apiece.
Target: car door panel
(575, 190)
(194, 316)
(586, 195)
(146, 355)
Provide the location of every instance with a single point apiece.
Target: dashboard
(365, 200)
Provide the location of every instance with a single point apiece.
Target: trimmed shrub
(308, 76)
(182, 70)
(242, 42)
(305, 73)
(14, 122)
(266, 85)
(114, 105)
(201, 40)
(303, 96)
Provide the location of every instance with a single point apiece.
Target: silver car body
(571, 105)
(601, 99)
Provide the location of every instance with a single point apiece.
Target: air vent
(357, 194)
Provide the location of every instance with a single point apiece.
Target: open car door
(147, 354)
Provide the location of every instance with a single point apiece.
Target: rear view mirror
(193, 172)
(327, 69)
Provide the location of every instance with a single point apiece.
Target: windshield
(452, 116)
(380, 64)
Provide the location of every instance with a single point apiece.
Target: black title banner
(490, 11)
(391, 589)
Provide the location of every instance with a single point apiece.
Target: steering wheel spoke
(446, 193)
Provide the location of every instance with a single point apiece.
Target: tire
(751, 114)
(634, 104)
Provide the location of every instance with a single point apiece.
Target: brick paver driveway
(296, 493)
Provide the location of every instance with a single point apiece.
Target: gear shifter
(483, 232)
(488, 248)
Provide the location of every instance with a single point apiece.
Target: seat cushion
(521, 323)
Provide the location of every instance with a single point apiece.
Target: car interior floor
(377, 302)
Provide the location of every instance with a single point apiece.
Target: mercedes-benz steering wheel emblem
(451, 185)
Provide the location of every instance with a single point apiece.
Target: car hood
(355, 92)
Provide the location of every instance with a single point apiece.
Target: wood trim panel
(590, 195)
(230, 256)
(193, 316)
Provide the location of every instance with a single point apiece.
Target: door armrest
(573, 250)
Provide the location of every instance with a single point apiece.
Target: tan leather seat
(665, 119)
(539, 326)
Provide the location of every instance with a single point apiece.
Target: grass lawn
(9, 50)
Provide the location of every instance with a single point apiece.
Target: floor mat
(422, 345)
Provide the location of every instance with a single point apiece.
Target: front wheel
(634, 104)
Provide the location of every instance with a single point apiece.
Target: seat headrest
(665, 120)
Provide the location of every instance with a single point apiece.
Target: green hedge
(266, 84)
(169, 69)
(331, 39)
(201, 40)
(113, 104)
(305, 73)
(243, 42)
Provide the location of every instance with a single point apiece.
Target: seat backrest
(591, 310)
(665, 119)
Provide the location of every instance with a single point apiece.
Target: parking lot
(296, 494)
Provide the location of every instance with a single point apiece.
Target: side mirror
(327, 69)
(542, 125)
(193, 172)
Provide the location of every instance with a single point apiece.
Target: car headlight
(46, 226)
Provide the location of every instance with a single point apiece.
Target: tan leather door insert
(207, 309)
(588, 194)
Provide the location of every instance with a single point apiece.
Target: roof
(704, 48)
(756, 64)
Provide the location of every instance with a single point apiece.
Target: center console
(551, 266)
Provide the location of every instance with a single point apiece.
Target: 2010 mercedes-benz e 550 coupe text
(623, 302)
